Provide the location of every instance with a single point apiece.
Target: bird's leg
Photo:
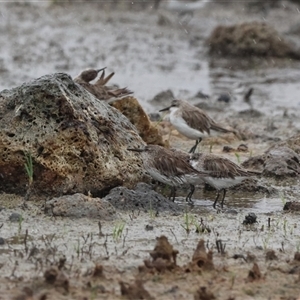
(216, 200)
(173, 193)
(193, 149)
(190, 194)
(222, 202)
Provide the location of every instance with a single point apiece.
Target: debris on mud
(249, 39)
(135, 290)
(78, 206)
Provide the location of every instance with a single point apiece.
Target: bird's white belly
(179, 123)
(223, 183)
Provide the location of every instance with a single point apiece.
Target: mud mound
(279, 161)
(79, 205)
(141, 198)
(76, 143)
(249, 39)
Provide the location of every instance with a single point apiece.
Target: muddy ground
(46, 257)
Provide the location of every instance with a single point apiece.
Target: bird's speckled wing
(223, 168)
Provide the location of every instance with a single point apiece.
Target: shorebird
(99, 88)
(170, 167)
(223, 172)
(192, 121)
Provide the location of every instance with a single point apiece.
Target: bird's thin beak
(167, 108)
(99, 70)
(135, 149)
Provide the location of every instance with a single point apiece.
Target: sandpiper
(192, 121)
(99, 88)
(223, 172)
(170, 167)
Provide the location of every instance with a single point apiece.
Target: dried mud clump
(203, 294)
(271, 255)
(254, 274)
(163, 256)
(57, 278)
(249, 39)
(201, 259)
(77, 143)
(134, 291)
(280, 162)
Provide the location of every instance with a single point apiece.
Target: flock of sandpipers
(174, 167)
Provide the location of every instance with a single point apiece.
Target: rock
(163, 97)
(15, 217)
(77, 143)
(249, 39)
(2, 241)
(78, 206)
(141, 198)
(224, 98)
(251, 218)
(130, 107)
(279, 161)
(292, 205)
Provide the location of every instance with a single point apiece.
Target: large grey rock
(143, 198)
(77, 142)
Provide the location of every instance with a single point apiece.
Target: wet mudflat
(46, 257)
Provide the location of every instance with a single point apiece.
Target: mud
(53, 257)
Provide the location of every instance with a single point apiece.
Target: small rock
(224, 98)
(15, 217)
(2, 241)
(250, 219)
(228, 149)
(292, 205)
(163, 97)
(242, 148)
(201, 95)
(148, 227)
